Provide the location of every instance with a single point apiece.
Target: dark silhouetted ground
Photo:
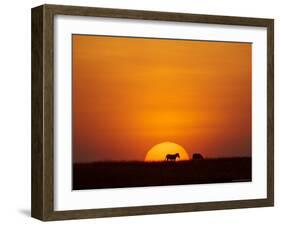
(140, 174)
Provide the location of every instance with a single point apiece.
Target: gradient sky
(130, 94)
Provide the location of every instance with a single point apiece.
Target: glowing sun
(159, 151)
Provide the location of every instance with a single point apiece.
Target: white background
(15, 112)
(66, 199)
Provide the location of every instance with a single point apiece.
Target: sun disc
(159, 151)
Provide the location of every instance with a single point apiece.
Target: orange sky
(132, 93)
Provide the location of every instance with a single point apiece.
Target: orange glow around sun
(130, 94)
(159, 151)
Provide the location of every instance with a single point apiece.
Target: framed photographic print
(141, 112)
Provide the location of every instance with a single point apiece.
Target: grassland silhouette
(117, 174)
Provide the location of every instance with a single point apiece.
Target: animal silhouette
(197, 156)
(172, 157)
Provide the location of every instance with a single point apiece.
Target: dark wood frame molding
(42, 203)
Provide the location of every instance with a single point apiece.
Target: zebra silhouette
(197, 156)
(172, 157)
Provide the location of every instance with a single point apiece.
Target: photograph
(152, 111)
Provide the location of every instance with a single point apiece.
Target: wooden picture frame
(42, 205)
